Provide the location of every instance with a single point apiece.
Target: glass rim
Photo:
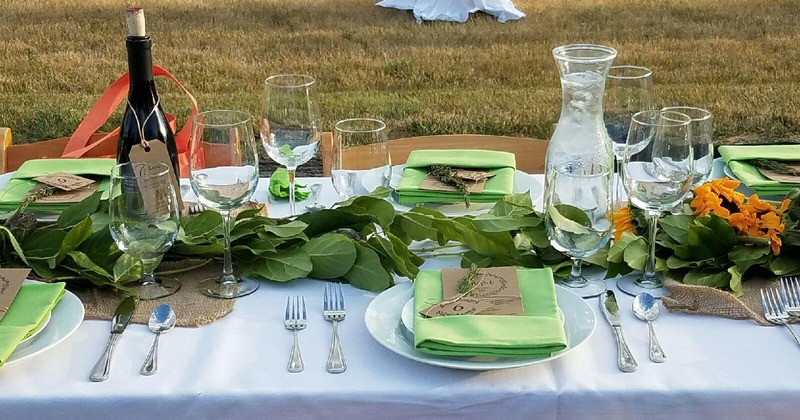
(308, 80)
(605, 53)
(162, 171)
(379, 125)
(670, 118)
(645, 72)
(605, 170)
(702, 113)
(245, 117)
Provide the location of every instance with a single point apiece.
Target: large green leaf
(205, 224)
(43, 244)
(706, 277)
(281, 266)
(378, 209)
(708, 237)
(75, 213)
(635, 254)
(332, 255)
(784, 264)
(325, 221)
(417, 227)
(736, 280)
(286, 230)
(745, 256)
(367, 272)
(569, 218)
(96, 274)
(513, 205)
(81, 232)
(676, 226)
(8, 236)
(487, 243)
(392, 248)
(127, 269)
(488, 222)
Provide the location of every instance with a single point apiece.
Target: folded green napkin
(736, 157)
(279, 186)
(539, 333)
(29, 308)
(22, 181)
(501, 164)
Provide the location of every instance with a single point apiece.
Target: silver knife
(608, 304)
(118, 323)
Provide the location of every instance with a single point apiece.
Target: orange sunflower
(623, 222)
(718, 197)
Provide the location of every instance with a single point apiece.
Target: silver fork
(790, 293)
(295, 320)
(774, 310)
(333, 310)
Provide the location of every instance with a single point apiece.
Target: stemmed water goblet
(223, 173)
(702, 145)
(657, 173)
(290, 126)
(629, 89)
(578, 217)
(355, 174)
(143, 220)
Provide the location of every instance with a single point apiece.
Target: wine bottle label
(64, 181)
(156, 151)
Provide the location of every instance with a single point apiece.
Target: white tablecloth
(236, 368)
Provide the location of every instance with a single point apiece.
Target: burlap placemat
(192, 308)
(709, 301)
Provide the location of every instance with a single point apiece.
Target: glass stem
(575, 273)
(618, 183)
(292, 207)
(148, 267)
(227, 265)
(650, 268)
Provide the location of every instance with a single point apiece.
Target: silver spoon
(645, 307)
(315, 190)
(161, 320)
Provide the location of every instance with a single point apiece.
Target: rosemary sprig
(447, 176)
(467, 283)
(34, 195)
(776, 166)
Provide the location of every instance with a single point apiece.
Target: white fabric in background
(456, 10)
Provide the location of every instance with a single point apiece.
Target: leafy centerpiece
(726, 236)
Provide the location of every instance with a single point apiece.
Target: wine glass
(578, 217)
(290, 124)
(359, 173)
(143, 220)
(223, 173)
(629, 89)
(702, 145)
(657, 173)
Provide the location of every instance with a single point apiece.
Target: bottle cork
(135, 16)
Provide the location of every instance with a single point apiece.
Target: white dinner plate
(522, 183)
(65, 319)
(728, 172)
(38, 330)
(384, 323)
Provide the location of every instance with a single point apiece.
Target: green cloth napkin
(279, 186)
(736, 157)
(29, 308)
(22, 181)
(539, 333)
(501, 164)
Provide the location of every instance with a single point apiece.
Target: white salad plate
(384, 322)
(65, 319)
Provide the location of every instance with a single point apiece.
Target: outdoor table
(236, 368)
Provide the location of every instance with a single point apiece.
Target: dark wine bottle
(143, 113)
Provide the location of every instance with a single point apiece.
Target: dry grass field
(738, 58)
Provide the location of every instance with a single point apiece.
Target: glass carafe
(580, 134)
